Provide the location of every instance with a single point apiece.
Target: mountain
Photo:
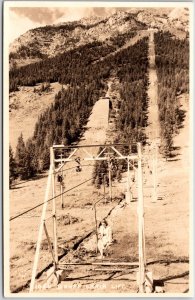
(51, 40)
(48, 41)
(165, 18)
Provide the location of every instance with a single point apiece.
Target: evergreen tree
(31, 161)
(172, 62)
(21, 158)
(12, 167)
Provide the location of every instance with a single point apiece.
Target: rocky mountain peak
(48, 41)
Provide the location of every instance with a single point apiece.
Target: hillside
(51, 40)
(25, 107)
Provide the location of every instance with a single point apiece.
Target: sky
(21, 19)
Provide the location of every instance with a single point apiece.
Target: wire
(56, 172)
(40, 204)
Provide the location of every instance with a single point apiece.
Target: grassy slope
(29, 106)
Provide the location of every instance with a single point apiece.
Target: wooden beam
(49, 242)
(36, 259)
(99, 155)
(96, 227)
(60, 167)
(99, 264)
(54, 206)
(110, 179)
(87, 146)
(116, 151)
(62, 160)
(130, 157)
(116, 270)
(128, 195)
(141, 242)
(71, 154)
(86, 152)
(65, 159)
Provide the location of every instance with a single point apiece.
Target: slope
(26, 105)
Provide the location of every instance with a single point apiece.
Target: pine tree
(45, 159)
(31, 161)
(12, 167)
(21, 158)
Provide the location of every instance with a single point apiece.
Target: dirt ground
(166, 221)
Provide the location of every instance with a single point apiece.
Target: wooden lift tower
(59, 156)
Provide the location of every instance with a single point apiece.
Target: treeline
(51, 29)
(172, 63)
(31, 51)
(122, 38)
(67, 67)
(131, 67)
(24, 163)
(133, 75)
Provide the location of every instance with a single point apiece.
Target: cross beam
(90, 156)
(130, 157)
(88, 146)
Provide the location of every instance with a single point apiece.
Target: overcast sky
(25, 18)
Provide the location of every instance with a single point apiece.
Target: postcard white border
(9, 4)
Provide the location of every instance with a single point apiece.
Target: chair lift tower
(57, 161)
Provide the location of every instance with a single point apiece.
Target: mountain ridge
(51, 40)
(55, 39)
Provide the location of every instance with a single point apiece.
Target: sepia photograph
(98, 149)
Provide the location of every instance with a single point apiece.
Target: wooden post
(128, 195)
(39, 240)
(144, 244)
(62, 190)
(141, 222)
(96, 227)
(49, 242)
(104, 183)
(61, 195)
(54, 207)
(61, 184)
(110, 179)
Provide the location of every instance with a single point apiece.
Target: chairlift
(59, 178)
(78, 169)
(133, 177)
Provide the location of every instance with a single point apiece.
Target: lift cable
(42, 203)
(55, 172)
